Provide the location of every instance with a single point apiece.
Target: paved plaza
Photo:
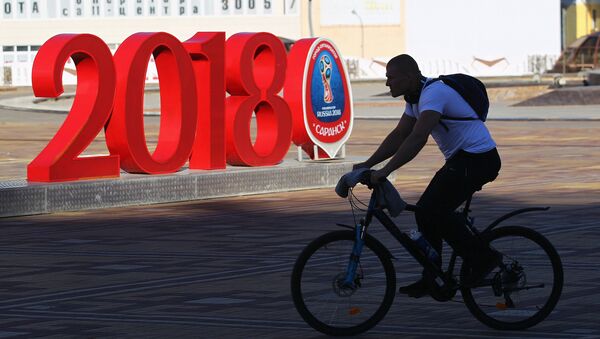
(221, 268)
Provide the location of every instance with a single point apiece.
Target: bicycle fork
(353, 262)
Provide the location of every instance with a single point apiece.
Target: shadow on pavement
(221, 268)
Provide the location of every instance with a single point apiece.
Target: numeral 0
(125, 130)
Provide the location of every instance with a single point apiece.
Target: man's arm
(411, 146)
(392, 142)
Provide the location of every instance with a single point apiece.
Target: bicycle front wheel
(526, 289)
(325, 303)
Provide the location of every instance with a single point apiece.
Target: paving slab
(220, 268)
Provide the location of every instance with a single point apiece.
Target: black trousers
(459, 178)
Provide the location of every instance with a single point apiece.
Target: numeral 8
(255, 73)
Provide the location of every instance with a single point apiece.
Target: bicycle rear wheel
(321, 299)
(526, 290)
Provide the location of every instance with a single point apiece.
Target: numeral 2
(60, 160)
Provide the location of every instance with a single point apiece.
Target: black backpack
(471, 89)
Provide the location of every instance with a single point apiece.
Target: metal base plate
(18, 197)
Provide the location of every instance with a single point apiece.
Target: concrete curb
(18, 197)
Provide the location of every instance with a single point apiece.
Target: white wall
(370, 12)
(446, 36)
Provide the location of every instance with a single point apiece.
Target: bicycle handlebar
(365, 179)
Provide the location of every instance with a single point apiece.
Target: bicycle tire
(498, 318)
(323, 284)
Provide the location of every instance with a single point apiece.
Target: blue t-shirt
(468, 135)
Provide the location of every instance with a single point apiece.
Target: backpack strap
(445, 117)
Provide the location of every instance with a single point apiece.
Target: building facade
(495, 37)
(580, 18)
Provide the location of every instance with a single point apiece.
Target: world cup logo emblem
(326, 69)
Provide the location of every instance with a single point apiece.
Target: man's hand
(378, 176)
(360, 165)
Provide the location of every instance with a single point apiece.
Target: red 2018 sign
(198, 123)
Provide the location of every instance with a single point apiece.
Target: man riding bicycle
(471, 161)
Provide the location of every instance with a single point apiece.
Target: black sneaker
(415, 290)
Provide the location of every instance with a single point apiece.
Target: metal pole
(564, 41)
(310, 23)
(362, 34)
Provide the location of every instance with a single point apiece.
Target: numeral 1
(207, 51)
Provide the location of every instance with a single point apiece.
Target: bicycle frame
(412, 248)
(441, 278)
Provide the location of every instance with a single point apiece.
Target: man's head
(403, 75)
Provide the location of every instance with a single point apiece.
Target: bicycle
(344, 282)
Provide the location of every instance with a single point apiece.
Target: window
(22, 48)
(35, 48)
(8, 48)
